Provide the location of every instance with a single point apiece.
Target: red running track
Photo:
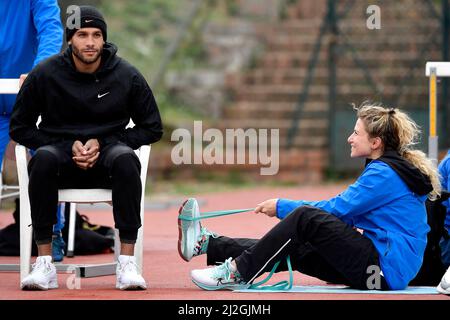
(166, 273)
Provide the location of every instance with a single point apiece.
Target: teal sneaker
(193, 239)
(189, 228)
(201, 246)
(58, 246)
(218, 278)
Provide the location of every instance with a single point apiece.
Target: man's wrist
(100, 143)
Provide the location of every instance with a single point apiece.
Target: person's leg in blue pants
(4, 136)
(58, 243)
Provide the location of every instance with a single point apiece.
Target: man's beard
(78, 54)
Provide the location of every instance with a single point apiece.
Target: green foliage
(144, 29)
(174, 111)
(232, 7)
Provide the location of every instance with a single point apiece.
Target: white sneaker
(42, 276)
(189, 228)
(217, 278)
(444, 286)
(127, 275)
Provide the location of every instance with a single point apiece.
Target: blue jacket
(30, 31)
(444, 170)
(396, 222)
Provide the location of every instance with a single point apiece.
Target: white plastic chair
(73, 196)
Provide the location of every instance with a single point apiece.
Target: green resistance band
(212, 214)
(281, 286)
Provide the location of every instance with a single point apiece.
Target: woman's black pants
(318, 243)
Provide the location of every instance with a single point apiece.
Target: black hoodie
(418, 182)
(80, 106)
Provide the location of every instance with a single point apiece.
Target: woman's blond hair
(400, 133)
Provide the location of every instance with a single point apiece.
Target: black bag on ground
(89, 238)
(433, 269)
(10, 236)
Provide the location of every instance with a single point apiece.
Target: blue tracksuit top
(391, 215)
(30, 31)
(444, 170)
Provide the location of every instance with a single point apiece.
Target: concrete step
(299, 46)
(362, 45)
(291, 93)
(391, 38)
(391, 10)
(305, 142)
(311, 133)
(304, 138)
(295, 26)
(282, 107)
(290, 76)
(353, 38)
(372, 59)
(273, 114)
(267, 123)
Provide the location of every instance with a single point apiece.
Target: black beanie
(90, 17)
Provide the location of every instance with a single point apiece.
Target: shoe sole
(180, 234)
(38, 287)
(34, 287)
(230, 287)
(133, 287)
(180, 241)
(185, 234)
(442, 290)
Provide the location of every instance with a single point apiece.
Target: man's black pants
(319, 244)
(117, 168)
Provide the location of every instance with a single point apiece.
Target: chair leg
(144, 155)
(139, 247)
(71, 236)
(26, 237)
(116, 244)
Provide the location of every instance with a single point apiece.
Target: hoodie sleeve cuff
(104, 141)
(286, 206)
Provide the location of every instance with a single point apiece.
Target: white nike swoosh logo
(87, 21)
(102, 95)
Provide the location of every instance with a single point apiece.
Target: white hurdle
(433, 70)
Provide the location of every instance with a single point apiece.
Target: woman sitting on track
(376, 227)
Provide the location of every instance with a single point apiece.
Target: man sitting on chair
(85, 97)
